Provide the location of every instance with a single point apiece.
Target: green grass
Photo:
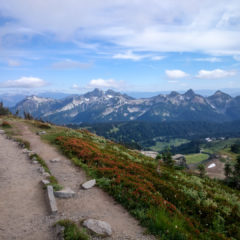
(196, 158)
(160, 146)
(72, 231)
(219, 145)
(52, 179)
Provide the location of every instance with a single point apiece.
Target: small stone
(98, 227)
(41, 170)
(34, 162)
(25, 150)
(30, 154)
(55, 160)
(45, 182)
(65, 193)
(89, 184)
(46, 174)
(2, 131)
(41, 133)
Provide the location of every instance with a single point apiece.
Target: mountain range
(110, 106)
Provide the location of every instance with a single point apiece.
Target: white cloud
(176, 74)
(216, 73)
(24, 82)
(129, 55)
(209, 59)
(106, 83)
(70, 64)
(163, 26)
(157, 58)
(13, 63)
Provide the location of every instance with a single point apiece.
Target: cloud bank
(216, 73)
(24, 82)
(163, 26)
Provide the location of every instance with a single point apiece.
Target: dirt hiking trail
(23, 209)
(92, 203)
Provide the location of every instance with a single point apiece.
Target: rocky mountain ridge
(100, 106)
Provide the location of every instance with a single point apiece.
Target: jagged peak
(95, 93)
(35, 98)
(173, 94)
(220, 93)
(189, 93)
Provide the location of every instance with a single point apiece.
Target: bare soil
(23, 208)
(92, 203)
(217, 171)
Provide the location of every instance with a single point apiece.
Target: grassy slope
(196, 158)
(174, 205)
(160, 146)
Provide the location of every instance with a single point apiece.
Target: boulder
(65, 193)
(98, 227)
(89, 184)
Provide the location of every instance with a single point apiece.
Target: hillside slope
(171, 203)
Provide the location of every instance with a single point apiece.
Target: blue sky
(146, 45)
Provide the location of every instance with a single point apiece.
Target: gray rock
(46, 174)
(34, 162)
(52, 200)
(41, 170)
(55, 160)
(59, 232)
(45, 182)
(98, 227)
(2, 131)
(25, 150)
(89, 184)
(30, 154)
(65, 193)
(41, 133)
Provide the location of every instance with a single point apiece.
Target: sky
(75, 46)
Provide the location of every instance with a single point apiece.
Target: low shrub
(201, 208)
(72, 231)
(6, 124)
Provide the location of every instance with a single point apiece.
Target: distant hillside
(110, 106)
(146, 134)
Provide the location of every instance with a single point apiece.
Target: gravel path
(93, 203)
(23, 208)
